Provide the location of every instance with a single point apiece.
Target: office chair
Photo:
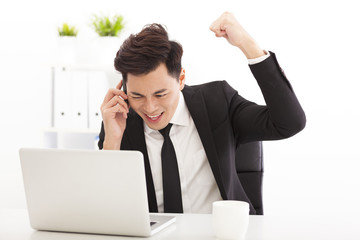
(250, 169)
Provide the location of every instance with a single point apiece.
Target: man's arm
(282, 116)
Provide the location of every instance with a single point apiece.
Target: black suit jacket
(224, 119)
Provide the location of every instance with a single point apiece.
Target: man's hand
(114, 112)
(228, 27)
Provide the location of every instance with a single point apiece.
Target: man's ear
(182, 79)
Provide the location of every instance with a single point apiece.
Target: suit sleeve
(282, 117)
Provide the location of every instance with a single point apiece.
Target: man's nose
(150, 106)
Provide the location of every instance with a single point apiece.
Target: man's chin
(156, 125)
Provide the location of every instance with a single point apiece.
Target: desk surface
(14, 225)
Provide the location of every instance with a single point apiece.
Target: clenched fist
(228, 27)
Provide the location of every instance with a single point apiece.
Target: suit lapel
(197, 108)
(137, 140)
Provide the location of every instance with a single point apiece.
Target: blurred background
(316, 43)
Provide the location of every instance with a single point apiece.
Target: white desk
(14, 225)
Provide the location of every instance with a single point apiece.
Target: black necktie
(170, 175)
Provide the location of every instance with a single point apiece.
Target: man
(207, 121)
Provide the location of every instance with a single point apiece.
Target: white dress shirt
(198, 185)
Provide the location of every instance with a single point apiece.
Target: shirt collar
(181, 116)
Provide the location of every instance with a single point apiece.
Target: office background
(316, 42)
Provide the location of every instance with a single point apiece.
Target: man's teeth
(155, 116)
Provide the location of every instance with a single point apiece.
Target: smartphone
(125, 91)
(124, 87)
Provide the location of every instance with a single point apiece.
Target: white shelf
(72, 130)
(71, 138)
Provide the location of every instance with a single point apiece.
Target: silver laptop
(88, 191)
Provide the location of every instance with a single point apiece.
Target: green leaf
(105, 26)
(67, 30)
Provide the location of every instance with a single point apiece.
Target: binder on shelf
(79, 99)
(62, 98)
(70, 99)
(98, 86)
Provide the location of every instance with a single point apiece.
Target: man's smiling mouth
(154, 117)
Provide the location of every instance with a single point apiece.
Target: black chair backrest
(250, 169)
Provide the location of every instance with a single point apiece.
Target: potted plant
(67, 44)
(108, 30)
(104, 26)
(67, 30)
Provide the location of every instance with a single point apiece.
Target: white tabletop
(14, 225)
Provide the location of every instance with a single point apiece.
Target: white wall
(316, 43)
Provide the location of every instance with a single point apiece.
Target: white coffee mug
(230, 219)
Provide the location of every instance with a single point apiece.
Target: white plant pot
(106, 49)
(67, 50)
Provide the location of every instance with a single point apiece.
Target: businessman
(189, 134)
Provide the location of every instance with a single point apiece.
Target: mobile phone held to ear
(124, 87)
(125, 91)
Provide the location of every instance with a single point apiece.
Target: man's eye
(160, 95)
